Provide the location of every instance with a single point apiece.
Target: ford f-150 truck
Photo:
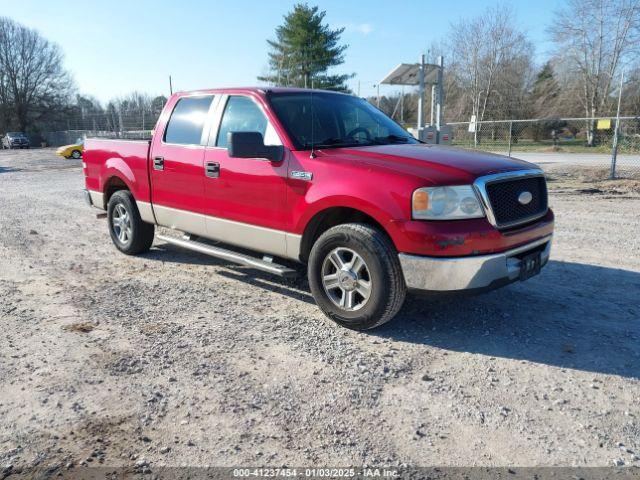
(255, 175)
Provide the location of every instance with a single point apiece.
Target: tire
(76, 154)
(336, 289)
(128, 232)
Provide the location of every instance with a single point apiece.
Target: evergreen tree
(544, 99)
(304, 50)
(545, 92)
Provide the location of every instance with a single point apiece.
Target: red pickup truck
(328, 180)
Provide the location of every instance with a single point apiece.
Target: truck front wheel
(128, 232)
(355, 276)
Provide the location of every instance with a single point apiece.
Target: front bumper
(470, 273)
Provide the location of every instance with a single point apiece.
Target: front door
(177, 166)
(245, 197)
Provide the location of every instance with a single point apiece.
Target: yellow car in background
(71, 151)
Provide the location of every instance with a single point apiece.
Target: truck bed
(106, 160)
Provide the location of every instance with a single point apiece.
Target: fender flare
(344, 201)
(309, 224)
(116, 169)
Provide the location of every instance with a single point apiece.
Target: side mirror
(251, 145)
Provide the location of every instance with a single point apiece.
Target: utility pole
(378, 95)
(402, 106)
(119, 132)
(440, 92)
(614, 148)
(420, 94)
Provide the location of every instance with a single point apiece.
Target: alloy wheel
(121, 222)
(346, 279)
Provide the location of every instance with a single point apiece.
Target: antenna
(313, 153)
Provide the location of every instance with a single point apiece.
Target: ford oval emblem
(525, 198)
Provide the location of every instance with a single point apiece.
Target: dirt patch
(590, 181)
(80, 327)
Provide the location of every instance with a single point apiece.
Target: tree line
(38, 95)
(490, 71)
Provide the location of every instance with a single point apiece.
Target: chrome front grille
(513, 198)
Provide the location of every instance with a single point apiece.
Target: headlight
(445, 203)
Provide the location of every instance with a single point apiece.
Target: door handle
(212, 169)
(158, 163)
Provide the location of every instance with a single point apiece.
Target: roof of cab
(260, 90)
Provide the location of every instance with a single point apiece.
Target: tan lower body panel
(261, 239)
(97, 199)
(146, 212)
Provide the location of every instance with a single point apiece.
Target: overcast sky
(114, 47)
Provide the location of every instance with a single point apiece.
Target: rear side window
(241, 114)
(187, 120)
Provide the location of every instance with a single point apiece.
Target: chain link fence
(584, 141)
(129, 125)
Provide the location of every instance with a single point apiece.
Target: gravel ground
(174, 358)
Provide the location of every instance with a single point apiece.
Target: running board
(231, 256)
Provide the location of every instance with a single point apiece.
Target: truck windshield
(334, 120)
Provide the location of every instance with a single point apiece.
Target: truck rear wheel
(128, 232)
(355, 276)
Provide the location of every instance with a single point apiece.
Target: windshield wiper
(336, 143)
(392, 139)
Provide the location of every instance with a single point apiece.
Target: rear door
(245, 197)
(177, 165)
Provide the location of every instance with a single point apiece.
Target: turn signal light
(420, 201)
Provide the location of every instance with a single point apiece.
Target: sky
(115, 47)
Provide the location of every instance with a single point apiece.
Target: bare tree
(33, 82)
(491, 65)
(5, 114)
(594, 38)
(403, 108)
(631, 97)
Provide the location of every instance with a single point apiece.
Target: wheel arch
(113, 184)
(330, 217)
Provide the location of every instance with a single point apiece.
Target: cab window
(187, 120)
(241, 114)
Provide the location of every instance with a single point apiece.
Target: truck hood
(436, 163)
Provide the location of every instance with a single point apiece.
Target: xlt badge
(301, 175)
